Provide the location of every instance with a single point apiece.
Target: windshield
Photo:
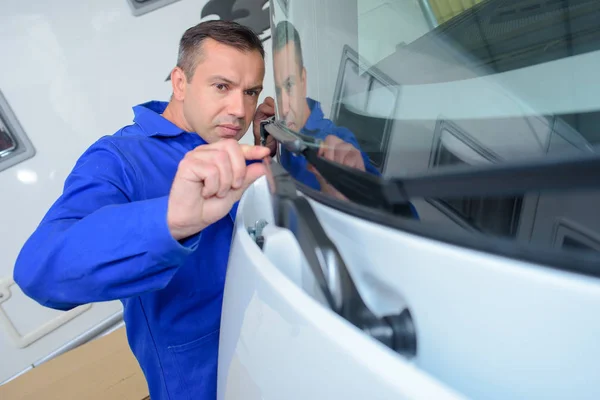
(402, 89)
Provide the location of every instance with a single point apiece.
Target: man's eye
(221, 86)
(252, 92)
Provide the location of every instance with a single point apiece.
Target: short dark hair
(285, 32)
(229, 33)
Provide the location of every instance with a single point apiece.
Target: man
(303, 114)
(146, 215)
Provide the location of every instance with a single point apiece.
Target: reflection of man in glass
(304, 114)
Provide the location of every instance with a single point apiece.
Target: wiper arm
(293, 212)
(370, 190)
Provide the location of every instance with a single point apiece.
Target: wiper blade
(581, 173)
(359, 187)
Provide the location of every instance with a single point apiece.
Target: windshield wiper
(556, 174)
(294, 213)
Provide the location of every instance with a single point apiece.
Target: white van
(484, 117)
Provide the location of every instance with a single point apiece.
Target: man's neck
(174, 113)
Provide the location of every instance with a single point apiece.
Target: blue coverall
(106, 238)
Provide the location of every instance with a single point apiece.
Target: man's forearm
(118, 251)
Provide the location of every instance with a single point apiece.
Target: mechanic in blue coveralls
(146, 214)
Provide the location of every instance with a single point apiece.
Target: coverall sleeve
(96, 243)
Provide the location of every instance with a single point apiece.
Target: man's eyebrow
(229, 81)
(222, 79)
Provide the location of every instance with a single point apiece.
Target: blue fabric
(320, 127)
(106, 238)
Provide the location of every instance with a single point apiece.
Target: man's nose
(237, 105)
(285, 103)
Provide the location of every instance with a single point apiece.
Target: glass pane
(403, 89)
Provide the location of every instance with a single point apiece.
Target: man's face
(290, 86)
(220, 100)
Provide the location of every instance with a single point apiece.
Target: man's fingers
(270, 142)
(254, 152)
(272, 145)
(353, 158)
(208, 173)
(253, 172)
(347, 155)
(341, 152)
(268, 104)
(223, 163)
(220, 159)
(321, 151)
(228, 158)
(266, 109)
(329, 152)
(238, 154)
(238, 162)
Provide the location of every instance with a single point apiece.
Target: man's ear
(178, 82)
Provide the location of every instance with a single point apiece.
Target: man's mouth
(230, 130)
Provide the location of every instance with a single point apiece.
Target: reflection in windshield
(405, 89)
(304, 114)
